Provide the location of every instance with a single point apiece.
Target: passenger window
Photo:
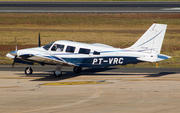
(84, 51)
(96, 53)
(70, 49)
(57, 48)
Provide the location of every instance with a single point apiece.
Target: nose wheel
(28, 71)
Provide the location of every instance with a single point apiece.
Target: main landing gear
(77, 69)
(58, 72)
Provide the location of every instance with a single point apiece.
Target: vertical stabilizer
(151, 41)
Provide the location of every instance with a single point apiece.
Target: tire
(28, 71)
(57, 74)
(77, 69)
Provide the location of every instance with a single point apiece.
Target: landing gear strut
(28, 71)
(58, 72)
(77, 69)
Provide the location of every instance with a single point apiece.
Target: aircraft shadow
(94, 70)
(68, 75)
(160, 74)
(49, 76)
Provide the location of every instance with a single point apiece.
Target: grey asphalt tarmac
(90, 7)
(112, 90)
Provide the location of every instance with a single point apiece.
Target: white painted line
(171, 8)
(94, 11)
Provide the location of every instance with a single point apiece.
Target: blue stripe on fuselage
(101, 61)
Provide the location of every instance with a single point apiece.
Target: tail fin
(151, 41)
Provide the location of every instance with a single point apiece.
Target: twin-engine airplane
(95, 55)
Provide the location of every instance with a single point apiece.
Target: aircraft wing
(45, 59)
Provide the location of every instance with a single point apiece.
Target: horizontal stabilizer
(154, 58)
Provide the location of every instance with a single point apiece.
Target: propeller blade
(15, 58)
(16, 43)
(39, 40)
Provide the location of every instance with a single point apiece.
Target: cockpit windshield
(46, 47)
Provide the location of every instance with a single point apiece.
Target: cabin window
(57, 48)
(46, 47)
(70, 49)
(96, 53)
(84, 51)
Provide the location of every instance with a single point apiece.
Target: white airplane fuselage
(104, 56)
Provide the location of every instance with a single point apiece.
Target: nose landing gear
(28, 71)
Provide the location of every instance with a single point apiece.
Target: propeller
(39, 40)
(15, 52)
(16, 43)
(15, 59)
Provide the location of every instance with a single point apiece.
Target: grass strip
(119, 30)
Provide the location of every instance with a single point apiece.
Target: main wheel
(77, 69)
(57, 73)
(28, 71)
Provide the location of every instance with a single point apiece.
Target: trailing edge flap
(154, 58)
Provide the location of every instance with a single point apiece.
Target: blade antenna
(39, 40)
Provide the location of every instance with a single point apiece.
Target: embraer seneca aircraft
(95, 55)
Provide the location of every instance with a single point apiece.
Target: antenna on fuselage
(39, 42)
